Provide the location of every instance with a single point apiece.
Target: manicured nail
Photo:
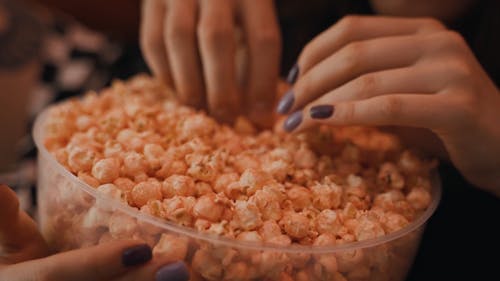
(321, 111)
(286, 102)
(293, 74)
(293, 121)
(136, 255)
(173, 272)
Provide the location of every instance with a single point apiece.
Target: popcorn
(296, 225)
(419, 198)
(144, 192)
(327, 195)
(328, 222)
(247, 215)
(327, 187)
(171, 248)
(178, 185)
(106, 170)
(207, 208)
(81, 160)
(269, 229)
(390, 176)
(208, 267)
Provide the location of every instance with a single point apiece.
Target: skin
(24, 255)
(409, 72)
(444, 10)
(195, 46)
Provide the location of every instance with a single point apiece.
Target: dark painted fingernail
(286, 102)
(137, 255)
(173, 272)
(293, 121)
(293, 74)
(321, 111)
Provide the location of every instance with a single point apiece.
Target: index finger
(102, 262)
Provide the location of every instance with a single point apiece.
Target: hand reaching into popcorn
(190, 45)
(24, 254)
(381, 71)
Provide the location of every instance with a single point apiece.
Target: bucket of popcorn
(232, 203)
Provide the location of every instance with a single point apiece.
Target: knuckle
(306, 54)
(214, 34)
(268, 39)
(470, 104)
(347, 113)
(351, 55)
(463, 109)
(349, 23)
(151, 46)
(431, 24)
(391, 107)
(180, 30)
(303, 87)
(459, 68)
(447, 40)
(453, 38)
(367, 83)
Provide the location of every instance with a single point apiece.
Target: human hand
(190, 45)
(23, 254)
(382, 71)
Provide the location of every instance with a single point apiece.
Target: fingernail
(136, 255)
(293, 74)
(173, 272)
(293, 121)
(286, 102)
(321, 111)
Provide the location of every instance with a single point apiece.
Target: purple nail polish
(136, 255)
(293, 121)
(293, 74)
(286, 102)
(173, 272)
(321, 111)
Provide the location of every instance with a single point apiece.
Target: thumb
(102, 262)
(20, 239)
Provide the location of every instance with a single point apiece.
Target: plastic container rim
(225, 241)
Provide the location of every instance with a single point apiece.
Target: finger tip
(293, 74)
(176, 271)
(136, 255)
(293, 121)
(285, 104)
